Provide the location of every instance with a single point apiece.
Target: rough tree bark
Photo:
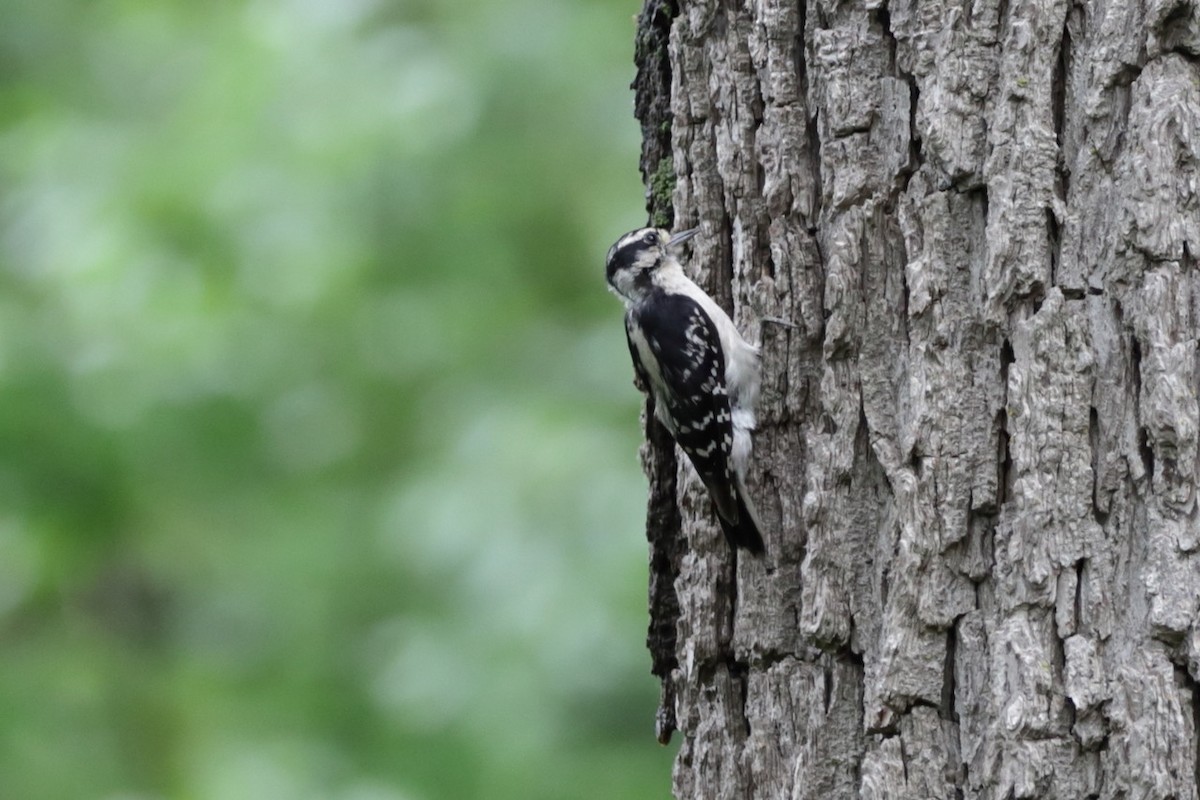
(977, 452)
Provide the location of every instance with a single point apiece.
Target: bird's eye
(650, 238)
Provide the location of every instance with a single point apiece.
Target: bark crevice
(664, 529)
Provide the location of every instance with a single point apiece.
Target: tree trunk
(977, 452)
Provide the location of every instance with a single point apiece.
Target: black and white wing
(677, 352)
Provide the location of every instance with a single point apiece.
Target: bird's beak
(682, 237)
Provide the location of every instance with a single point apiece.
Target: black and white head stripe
(640, 248)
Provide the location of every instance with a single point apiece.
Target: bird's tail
(745, 532)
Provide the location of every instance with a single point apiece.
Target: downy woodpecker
(702, 374)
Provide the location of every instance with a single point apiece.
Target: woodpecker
(702, 374)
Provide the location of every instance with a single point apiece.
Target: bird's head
(632, 261)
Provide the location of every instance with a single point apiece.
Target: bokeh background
(318, 470)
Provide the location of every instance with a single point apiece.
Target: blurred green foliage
(318, 442)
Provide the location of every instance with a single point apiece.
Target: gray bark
(977, 452)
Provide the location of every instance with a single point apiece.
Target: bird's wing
(676, 346)
(641, 378)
